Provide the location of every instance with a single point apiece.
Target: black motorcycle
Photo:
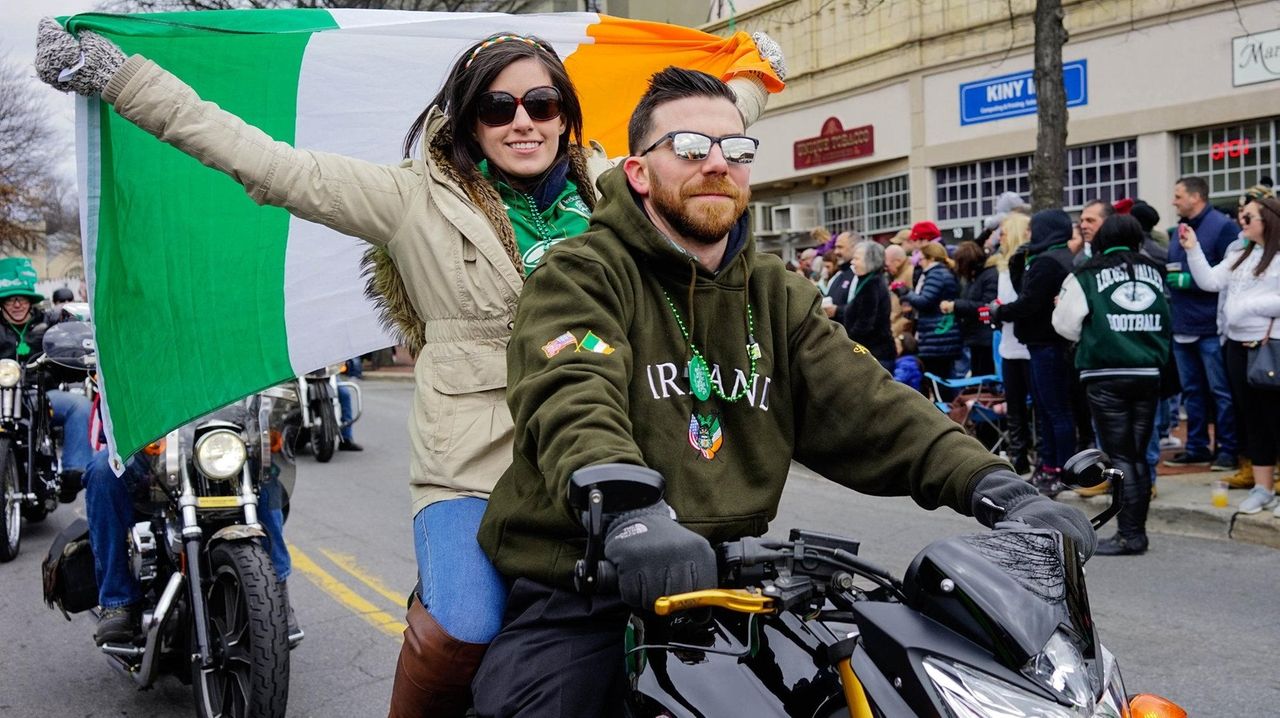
(318, 411)
(985, 625)
(214, 615)
(30, 446)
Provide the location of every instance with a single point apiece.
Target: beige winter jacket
(452, 290)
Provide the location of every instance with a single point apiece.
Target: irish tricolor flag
(199, 295)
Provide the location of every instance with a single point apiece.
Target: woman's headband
(495, 41)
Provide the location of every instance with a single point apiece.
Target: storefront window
(1106, 171)
(1232, 158)
(869, 208)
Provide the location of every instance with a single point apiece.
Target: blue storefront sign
(1014, 95)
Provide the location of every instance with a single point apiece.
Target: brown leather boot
(433, 675)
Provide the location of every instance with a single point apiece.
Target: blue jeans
(1164, 415)
(1204, 382)
(108, 507)
(460, 587)
(344, 401)
(71, 412)
(1051, 395)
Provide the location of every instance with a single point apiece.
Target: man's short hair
(1196, 186)
(1107, 209)
(673, 83)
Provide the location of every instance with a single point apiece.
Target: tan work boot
(1243, 477)
(1090, 491)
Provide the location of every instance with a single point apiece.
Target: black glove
(655, 556)
(1004, 496)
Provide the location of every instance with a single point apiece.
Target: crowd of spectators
(1103, 331)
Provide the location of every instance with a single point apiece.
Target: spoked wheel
(324, 434)
(248, 676)
(11, 516)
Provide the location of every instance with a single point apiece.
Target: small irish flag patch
(554, 346)
(593, 343)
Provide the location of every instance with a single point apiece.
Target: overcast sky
(18, 20)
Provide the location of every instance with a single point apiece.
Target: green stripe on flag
(172, 289)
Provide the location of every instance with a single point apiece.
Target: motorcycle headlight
(10, 373)
(1060, 668)
(220, 454)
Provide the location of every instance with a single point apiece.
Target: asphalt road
(1194, 619)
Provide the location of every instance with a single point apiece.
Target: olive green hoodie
(596, 374)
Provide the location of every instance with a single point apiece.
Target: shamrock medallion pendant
(699, 378)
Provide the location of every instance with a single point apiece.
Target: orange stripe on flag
(612, 73)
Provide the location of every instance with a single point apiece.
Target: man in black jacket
(838, 288)
(1046, 263)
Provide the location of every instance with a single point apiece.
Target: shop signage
(1014, 95)
(1255, 58)
(835, 144)
(1230, 148)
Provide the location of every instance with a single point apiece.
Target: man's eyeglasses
(496, 109)
(695, 146)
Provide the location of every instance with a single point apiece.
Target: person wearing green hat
(21, 333)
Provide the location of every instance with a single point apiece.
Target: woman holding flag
(502, 175)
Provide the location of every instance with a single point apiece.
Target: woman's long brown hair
(1269, 215)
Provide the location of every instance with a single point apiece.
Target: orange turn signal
(155, 448)
(277, 441)
(1146, 705)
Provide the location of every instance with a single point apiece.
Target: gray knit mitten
(771, 52)
(83, 66)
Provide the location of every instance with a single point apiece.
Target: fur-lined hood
(384, 283)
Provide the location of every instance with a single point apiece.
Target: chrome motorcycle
(30, 446)
(213, 613)
(319, 410)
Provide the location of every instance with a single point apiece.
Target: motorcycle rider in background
(21, 333)
(108, 505)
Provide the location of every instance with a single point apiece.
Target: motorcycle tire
(244, 606)
(11, 515)
(324, 435)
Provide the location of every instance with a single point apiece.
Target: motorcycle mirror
(1085, 469)
(623, 487)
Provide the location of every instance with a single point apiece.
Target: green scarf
(536, 232)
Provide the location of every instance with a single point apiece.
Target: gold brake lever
(735, 599)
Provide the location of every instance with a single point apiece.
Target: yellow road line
(339, 591)
(347, 563)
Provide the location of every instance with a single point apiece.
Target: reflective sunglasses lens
(691, 145)
(496, 108)
(542, 103)
(738, 149)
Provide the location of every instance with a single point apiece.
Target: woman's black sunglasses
(496, 109)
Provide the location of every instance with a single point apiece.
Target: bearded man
(662, 338)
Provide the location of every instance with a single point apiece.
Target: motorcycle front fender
(236, 532)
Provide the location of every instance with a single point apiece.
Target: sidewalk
(1182, 506)
(399, 372)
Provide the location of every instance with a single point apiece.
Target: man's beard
(707, 224)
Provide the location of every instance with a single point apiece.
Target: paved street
(1193, 619)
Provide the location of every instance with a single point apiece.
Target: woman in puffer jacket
(501, 177)
(937, 334)
(1249, 279)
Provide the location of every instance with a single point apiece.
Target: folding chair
(977, 403)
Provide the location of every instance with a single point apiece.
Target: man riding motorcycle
(21, 333)
(668, 280)
(109, 512)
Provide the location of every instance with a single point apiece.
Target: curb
(394, 376)
(1183, 514)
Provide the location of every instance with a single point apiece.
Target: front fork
(193, 536)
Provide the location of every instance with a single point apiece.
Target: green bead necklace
(699, 374)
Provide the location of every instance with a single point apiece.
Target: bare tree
(509, 6)
(26, 159)
(1049, 167)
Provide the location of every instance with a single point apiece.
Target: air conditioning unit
(794, 217)
(761, 218)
